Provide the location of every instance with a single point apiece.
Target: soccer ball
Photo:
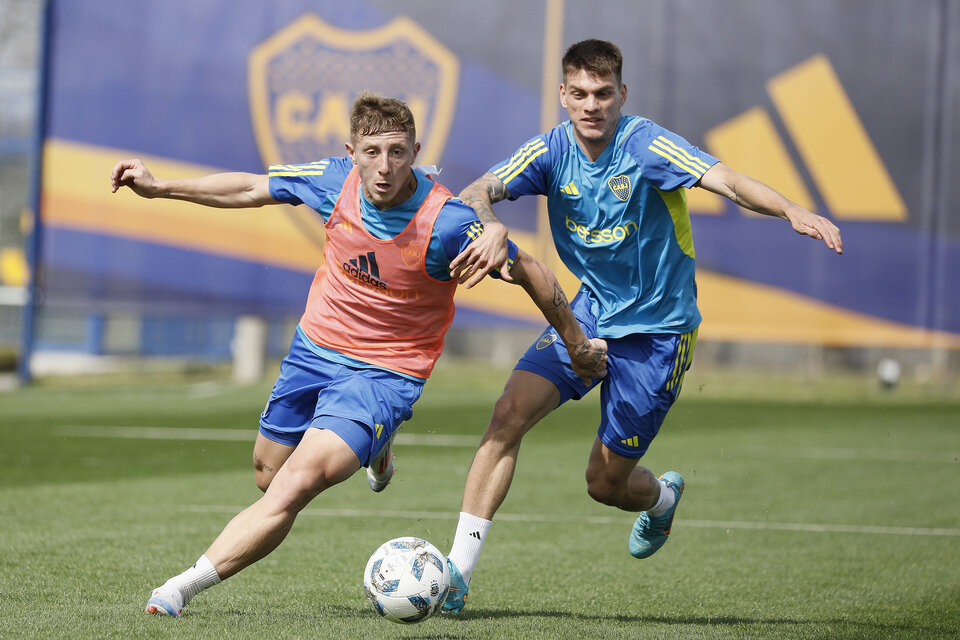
(406, 580)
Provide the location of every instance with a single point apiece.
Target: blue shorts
(644, 374)
(362, 406)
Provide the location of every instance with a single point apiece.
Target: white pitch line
(159, 433)
(246, 435)
(698, 524)
(456, 440)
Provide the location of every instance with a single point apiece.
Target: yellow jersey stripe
(676, 365)
(679, 154)
(696, 161)
(674, 159)
(311, 166)
(285, 174)
(519, 157)
(475, 230)
(684, 352)
(679, 365)
(513, 175)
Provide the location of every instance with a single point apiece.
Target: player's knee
(295, 491)
(507, 424)
(263, 479)
(601, 489)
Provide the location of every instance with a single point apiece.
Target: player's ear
(563, 96)
(416, 149)
(623, 94)
(349, 149)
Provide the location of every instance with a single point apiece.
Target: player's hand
(134, 174)
(483, 255)
(589, 359)
(817, 227)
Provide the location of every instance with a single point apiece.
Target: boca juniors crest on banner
(304, 78)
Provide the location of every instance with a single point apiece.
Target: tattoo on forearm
(559, 298)
(483, 193)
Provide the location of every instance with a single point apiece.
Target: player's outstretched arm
(756, 196)
(587, 355)
(227, 190)
(489, 251)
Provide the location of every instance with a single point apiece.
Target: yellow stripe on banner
(701, 201)
(692, 159)
(739, 310)
(750, 143)
(666, 153)
(834, 143)
(520, 157)
(76, 195)
(733, 310)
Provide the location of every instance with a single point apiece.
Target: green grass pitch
(807, 515)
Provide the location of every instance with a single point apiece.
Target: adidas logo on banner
(828, 137)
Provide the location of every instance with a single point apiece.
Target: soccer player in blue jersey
(372, 329)
(615, 187)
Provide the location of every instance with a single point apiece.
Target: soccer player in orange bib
(372, 330)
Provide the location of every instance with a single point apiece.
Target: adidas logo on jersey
(364, 269)
(570, 189)
(631, 442)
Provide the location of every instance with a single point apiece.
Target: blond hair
(373, 115)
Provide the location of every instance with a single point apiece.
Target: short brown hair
(372, 115)
(598, 57)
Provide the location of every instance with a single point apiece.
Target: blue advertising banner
(848, 108)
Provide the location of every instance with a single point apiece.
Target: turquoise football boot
(650, 532)
(457, 596)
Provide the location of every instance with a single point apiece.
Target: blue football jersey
(621, 223)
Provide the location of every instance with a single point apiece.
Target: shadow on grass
(869, 629)
(860, 627)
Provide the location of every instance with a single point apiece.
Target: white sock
(664, 502)
(195, 579)
(471, 534)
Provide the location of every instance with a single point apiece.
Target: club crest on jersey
(410, 253)
(546, 340)
(620, 185)
(303, 79)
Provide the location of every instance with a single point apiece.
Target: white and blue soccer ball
(406, 580)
